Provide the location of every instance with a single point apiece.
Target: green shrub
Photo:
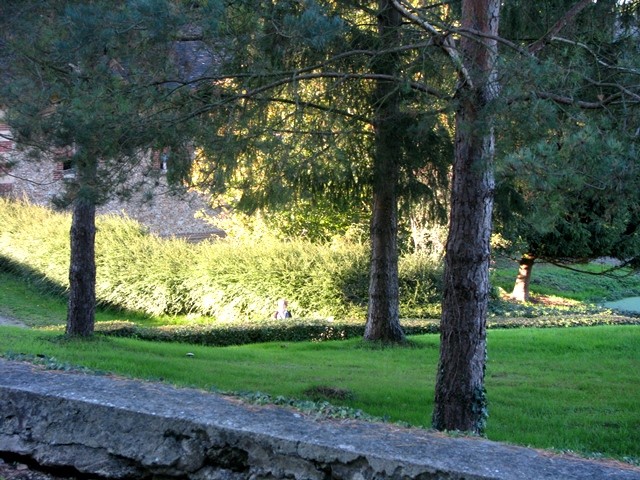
(34, 243)
(227, 281)
(240, 333)
(320, 330)
(138, 271)
(420, 284)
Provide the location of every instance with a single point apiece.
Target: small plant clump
(320, 392)
(320, 409)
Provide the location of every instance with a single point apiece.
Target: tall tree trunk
(460, 402)
(383, 319)
(521, 287)
(82, 267)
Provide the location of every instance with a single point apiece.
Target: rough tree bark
(383, 319)
(82, 267)
(460, 402)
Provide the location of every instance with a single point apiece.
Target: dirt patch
(12, 322)
(543, 300)
(551, 301)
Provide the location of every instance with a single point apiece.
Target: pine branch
(598, 59)
(609, 272)
(441, 39)
(314, 106)
(254, 93)
(569, 16)
(566, 100)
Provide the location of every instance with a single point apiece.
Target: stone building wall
(161, 209)
(6, 149)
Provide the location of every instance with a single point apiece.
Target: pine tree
(568, 188)
(328, 91)
(88, 79)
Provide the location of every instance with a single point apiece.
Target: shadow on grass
(43, 302)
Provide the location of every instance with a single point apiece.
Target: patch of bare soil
(544, 300)
(4, 320)
(551, 301)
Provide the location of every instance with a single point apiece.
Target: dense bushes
(230, 281)
(34, 243)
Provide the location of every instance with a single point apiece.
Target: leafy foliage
(239, 282)
(298, 141)
(87, 83)
(86, 78)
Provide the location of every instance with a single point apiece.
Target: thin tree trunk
(460, 402)
(521, 287)
(383, 319)
(82, 268)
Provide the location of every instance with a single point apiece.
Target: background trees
(334, 93)
(567, 187)
(346, 101)
(527, 73)
(87, 80)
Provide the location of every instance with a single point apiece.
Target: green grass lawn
(22, 300)
(571, 389)
(568, 389)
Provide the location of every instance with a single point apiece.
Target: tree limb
(609, 272)
(444, 40)
(631, 71)
(254, 93)
(567, 18)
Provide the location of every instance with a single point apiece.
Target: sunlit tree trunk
(521, 287)
(460, 402)
(383, 320)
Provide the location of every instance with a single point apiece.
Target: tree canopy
(89, 82)
(567, 189)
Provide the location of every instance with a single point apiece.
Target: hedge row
(317, 330)
(227, 281)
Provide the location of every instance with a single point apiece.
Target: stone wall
(118, 428)
(151, 201)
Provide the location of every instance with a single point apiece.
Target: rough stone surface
(15, 470)
(151, 202)
(119, 428)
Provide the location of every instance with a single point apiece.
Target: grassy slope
(569, 389)
(593, 287)
(23, 301)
